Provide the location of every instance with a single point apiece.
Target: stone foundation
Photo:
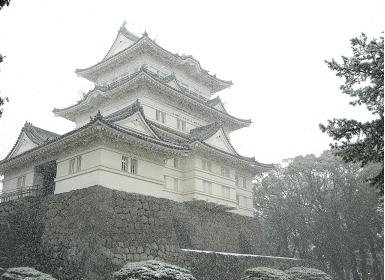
(94, 231)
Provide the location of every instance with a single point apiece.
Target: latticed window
(225, 192)
(244, 183)
(71, 167)
(21, 182)
(236, 180)
(176, 184)
(207, 187)
(75, 165)
(160, 116)
(124, 163)
(134, 166)
(181, 125)
(225, 171)
(206, 164)
(176, 163)
(78, 163)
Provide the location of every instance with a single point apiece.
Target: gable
(137, 123)
(219, 141)
(121, 42)
(174, 84)
(23, 144)
(220, 107)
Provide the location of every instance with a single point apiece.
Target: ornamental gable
(123, 40)
(220, 141)
(137, 123)
(22, 145)
(220, 107)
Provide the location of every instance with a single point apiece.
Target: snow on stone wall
(94, 231)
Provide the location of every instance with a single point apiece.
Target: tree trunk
(378, 275)
(363, 264)
(353, 263)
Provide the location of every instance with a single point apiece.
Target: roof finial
(98, 116)
(123, 25)
(145, 34)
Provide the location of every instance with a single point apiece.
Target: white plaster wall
(90, 159)
(108, 107)
(151, 104)
(147, 169)
(156, 66)
(10, 178)
(102, 166)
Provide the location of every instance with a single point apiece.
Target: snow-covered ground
(240, 255)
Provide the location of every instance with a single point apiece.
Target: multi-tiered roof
(153, 135)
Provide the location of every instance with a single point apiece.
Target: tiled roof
(144, 70)
(181, 59)
(204, 132)
(214, 101)
(99, 118)
(125, 112)
(36, 134)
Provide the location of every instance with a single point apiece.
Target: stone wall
(21, 228)
(221, 266)
(94, 231)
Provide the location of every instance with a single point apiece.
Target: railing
(20, 193)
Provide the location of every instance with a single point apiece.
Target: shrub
(149, 270)
(265, 273)
(21, 273)
(306, 273)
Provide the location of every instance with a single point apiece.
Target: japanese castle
(149, 126)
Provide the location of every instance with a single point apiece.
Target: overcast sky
(273, 51)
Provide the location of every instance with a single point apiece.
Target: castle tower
(150, 126)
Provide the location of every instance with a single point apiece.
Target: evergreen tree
(323, 209)
(357, 141)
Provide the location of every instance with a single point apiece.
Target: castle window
(207, 187)
(160, 116)
(244, 183)
(134, 166)
(176, 163)
(78, 163)
(75, 165)
(124, 163)
(225, 171)
(225, 192)
(181, 125)
(242, 200)
(21, 182)
(206, 164)
(172, 183)
(71, 168)
(176, 184)
(236, 180)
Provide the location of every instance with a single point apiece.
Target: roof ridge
(145, 36)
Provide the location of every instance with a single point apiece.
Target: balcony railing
(34, 190)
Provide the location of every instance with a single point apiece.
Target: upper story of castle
(174, 90)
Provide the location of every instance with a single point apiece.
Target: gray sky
(273, 51)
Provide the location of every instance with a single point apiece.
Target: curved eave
(69, 112)
(95, 124)
(248, 162)
(15, 145)
(91, 73)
